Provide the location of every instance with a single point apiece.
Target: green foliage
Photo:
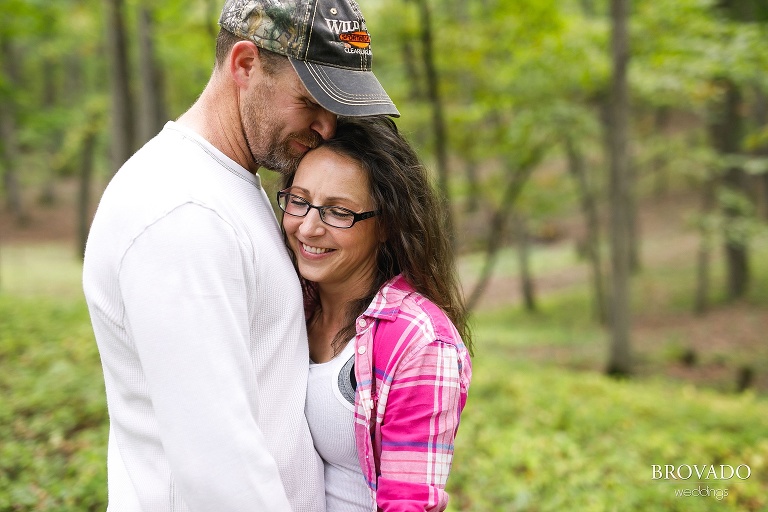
(53, 441)
(534, 439)
(90, 120)
(680, 46)
(185, 41)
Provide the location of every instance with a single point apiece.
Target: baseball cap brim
(345, 92)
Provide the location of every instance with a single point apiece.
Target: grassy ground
(542, 439)
(543, 430)
(53, 412)
(40, 270)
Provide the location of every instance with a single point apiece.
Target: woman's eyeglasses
(334, 216)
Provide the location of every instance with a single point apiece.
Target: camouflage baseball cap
(326, 41)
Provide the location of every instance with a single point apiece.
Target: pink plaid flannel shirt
(413, 374)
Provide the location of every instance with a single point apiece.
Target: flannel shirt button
(361, 350)
(361, 323)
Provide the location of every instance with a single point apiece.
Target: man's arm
(183, 283)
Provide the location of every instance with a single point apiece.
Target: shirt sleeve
(183, 284)
(418, 430)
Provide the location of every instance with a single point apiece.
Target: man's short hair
(271, 62)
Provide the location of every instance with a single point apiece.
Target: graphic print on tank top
(347, 381)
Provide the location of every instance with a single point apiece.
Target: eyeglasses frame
(356, 217)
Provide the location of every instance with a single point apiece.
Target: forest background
(605, 170)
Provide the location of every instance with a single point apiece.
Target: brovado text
(701, 471)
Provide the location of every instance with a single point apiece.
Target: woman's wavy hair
(412, 218)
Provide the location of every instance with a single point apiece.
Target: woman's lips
(312, 251)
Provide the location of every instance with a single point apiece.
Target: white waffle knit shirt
(198, 316)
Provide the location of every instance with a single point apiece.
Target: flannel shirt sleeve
(425, 401)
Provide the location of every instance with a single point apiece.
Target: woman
(389, 371)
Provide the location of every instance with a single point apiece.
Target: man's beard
(279, 157)
(261, 135)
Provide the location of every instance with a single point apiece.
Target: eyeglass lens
(332, 215)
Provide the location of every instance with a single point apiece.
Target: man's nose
(325, 124)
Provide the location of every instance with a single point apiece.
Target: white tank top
(330, 412)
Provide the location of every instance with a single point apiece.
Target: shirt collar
(386, 304)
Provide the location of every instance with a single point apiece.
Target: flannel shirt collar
(386, 304)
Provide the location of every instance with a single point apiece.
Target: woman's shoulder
(413, 330)
(404, 312)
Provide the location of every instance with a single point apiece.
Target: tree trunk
(660, 171)
(152, 111)
(9, 147)
(438, 118)
(728, 139)
(74, 80)
(74, 84)
(10, 156)
(761, 121)
(737, 258)
(498, 228)
(701, 304)
(745, 10)
(473, 199)
(84, 190)
(592, 222)
(633, 229)
(119, 77)
(620, 356)
(523, 257)
(727, 131)
(412, 74)
(49, 101)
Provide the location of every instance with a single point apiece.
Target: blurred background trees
(604, 165)
(527, 111)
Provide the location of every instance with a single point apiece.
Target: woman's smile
(314, 250)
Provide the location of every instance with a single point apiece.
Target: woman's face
(337, 259)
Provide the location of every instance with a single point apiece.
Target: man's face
(281, 120)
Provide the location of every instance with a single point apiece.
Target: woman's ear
(244, 62)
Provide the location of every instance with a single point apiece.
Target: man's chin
(285, 165)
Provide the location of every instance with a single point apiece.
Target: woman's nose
(312, 224)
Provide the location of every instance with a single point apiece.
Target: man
(194, 301)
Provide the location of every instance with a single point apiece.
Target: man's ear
(244, 62)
